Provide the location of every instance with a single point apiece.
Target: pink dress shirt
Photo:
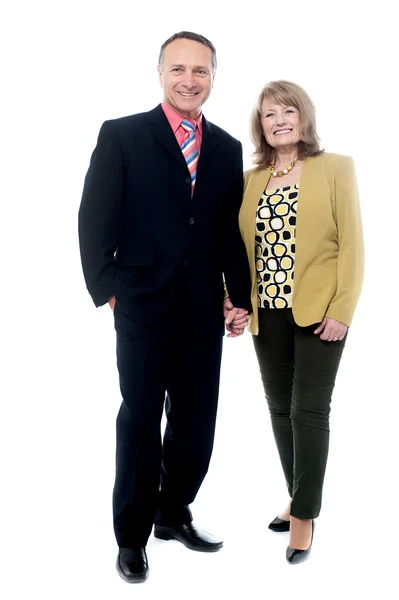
(175, 120)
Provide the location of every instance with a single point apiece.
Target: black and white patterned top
(275, 246)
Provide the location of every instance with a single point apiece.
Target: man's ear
(160, 75)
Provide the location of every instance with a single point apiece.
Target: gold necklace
(284, 171)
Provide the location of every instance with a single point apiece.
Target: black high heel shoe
(279, 525)
(295, 556)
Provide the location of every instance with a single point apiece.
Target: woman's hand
(331, 330)
(236, 319)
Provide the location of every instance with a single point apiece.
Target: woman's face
(280, 124)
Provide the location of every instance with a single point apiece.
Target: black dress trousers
(155, 480)
(298, 372)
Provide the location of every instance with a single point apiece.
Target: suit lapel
(303, 216)
(307, 224)
(161, 129)
(208, 146)
(254, 188)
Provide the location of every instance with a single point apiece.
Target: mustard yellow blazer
(329, 252)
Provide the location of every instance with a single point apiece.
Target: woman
(301, 225)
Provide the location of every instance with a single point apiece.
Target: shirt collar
(176, 118)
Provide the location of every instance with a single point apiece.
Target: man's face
(186, 76)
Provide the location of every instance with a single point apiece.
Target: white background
(68, 66)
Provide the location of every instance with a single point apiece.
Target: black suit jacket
(145, 240)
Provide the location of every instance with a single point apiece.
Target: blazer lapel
(304, 215)
(161, 129)
(209, 144)
(254, 185)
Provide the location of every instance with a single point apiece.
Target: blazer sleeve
(236, 268)
(350, 268)
(100, 214)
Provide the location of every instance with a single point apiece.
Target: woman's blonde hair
(287, 94)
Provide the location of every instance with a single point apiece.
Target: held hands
(236, 319)
(332, 330)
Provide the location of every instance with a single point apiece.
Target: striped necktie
(190, 150)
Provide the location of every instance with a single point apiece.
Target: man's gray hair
(188, 35)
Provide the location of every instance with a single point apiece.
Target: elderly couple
(181, 245)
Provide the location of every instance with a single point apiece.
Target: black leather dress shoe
(279, 525)
(132, 564)
(295, 556)
(190, 536)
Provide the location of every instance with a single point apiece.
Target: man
(158, 227)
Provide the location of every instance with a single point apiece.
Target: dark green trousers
(298, 372)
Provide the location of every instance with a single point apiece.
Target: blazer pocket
(143, 256)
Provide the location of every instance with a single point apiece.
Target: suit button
(185, 263)
(188, 180)
(191, 221)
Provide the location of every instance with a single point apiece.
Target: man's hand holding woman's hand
(236, 319)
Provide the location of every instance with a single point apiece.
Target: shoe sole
(300, 561)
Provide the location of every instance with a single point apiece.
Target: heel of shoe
(295, 556)
(162, 536)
